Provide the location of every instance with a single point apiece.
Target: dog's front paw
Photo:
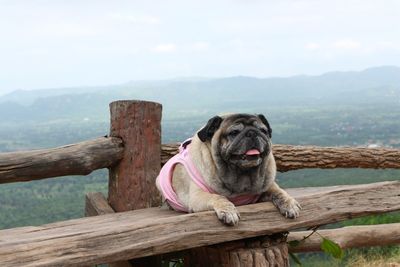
(227, 213)
(287, 206)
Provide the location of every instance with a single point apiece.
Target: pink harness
(164, 180)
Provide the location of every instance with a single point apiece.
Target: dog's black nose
(250, 133)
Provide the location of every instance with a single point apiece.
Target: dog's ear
(264, 120)
(207, 132)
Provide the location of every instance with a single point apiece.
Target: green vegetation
(51, 200)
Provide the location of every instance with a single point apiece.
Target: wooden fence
(131, 231)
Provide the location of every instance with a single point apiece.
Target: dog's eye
(263, 130)
(234, 133)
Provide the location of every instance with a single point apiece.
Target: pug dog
(228, 161)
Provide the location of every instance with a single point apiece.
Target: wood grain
(82, 158)
(132, 181)
(349, 237)
(301, 157)
(76, 159)
(139, 233)
(258, 248)
(96, 204)
(257, 251)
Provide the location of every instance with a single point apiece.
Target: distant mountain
(194, 96)
(27, 97)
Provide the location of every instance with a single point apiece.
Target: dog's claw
(288, 207)
(228, 214)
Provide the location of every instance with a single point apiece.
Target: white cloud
(200, 46)
(165, 48)
(385, 45)
(65, 30)
(337, 47)
(347, 44)
(142, 19)
(313, 46)
(236, 43)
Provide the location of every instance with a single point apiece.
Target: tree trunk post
(264, 251)
(132, 180)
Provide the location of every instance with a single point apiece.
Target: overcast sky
(54, 43)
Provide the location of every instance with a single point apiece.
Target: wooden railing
(129, 229)
(84, 157)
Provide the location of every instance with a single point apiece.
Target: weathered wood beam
(139, 233)
(76, 159)
(85, 157)
(349, 237)
(302, 157)
(96, 204)
(230, 254)
(290, 157)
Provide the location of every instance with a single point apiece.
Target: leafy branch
(328, 246)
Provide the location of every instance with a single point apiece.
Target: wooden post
(259, 252)
(132, 181)
(96, 204)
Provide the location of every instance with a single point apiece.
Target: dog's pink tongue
(253, 152)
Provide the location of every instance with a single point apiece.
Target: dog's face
(240, 140)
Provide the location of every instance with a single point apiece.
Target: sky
(54, 43)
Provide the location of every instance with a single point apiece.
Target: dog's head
(242, 140)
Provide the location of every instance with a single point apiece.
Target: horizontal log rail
(133, 234)
(85, 157)
(76, 159)
(301, 157)
(290, 157)
(346, 237)
(349, 237)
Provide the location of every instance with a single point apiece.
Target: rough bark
(83, 158)
(349, 237)
(139, 233)
(132, 181)
(76, 159)
(302, 157)
(259, 252)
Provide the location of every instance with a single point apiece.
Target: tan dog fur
(204, 157)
